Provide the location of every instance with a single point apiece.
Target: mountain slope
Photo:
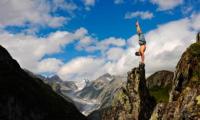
(160, 85)
(93, 90)
(98, 93)
(24, 97)
(184, 102)
(160, 79)
(59, 85)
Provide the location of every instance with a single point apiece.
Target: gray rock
(198, 37)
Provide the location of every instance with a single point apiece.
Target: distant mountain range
(87, 95)
(95, 95)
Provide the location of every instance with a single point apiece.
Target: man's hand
(138, 27)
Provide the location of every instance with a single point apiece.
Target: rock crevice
(133, 101)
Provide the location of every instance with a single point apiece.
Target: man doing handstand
(142, 43)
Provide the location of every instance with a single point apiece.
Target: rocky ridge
(133, 101)
(161, 78)
(184, 102)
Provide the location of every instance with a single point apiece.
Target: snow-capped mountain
(96, 94)
(81, 84)
(87, 95)
(93, 90)
(54, 78)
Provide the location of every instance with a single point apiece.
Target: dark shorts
(142, 40)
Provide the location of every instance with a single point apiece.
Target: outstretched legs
(142, 50)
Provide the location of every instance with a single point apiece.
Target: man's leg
(142, 50)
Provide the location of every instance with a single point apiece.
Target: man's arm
(138, 27)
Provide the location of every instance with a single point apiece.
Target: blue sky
(106, 19)
(87, 38)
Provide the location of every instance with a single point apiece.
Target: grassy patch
(194, 49)
(195, 76)
(161, 94)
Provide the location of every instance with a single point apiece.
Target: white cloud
(85, 42)
(34, 12)
(195, 22)
(167, 4)
(56, 21)
(132, 41)
(29, 50)
(141, 14)
(118, 1)
(82, 68)
(89, 3)
(112, 41)
(81, 32)
(167, 43)
(114, 54)
(91, 68)
(62, 4)
(50, 65)
(91, 44)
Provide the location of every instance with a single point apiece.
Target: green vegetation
(160, 94)
(194, 49)
(195, 76)
(198, 99)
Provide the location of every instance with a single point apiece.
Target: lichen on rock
(133, 101)
(198, 99)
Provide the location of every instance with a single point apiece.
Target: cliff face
(160, 79)
(24, 97)
(198, 38)
(184, 102)
(160, 85)
(133, 101)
